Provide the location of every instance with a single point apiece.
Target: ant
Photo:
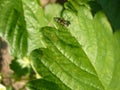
(62, 21)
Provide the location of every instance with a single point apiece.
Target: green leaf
(12, 27)
(66, 60)
(35, 19)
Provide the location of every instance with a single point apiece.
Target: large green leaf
(66, 60)
(83, 59)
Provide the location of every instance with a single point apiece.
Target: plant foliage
(83, 55)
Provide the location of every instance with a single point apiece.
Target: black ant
(62, 21)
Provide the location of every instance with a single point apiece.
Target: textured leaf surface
(43, 71)
(12, 26)
(66, 60)
(35, 19)
(96, 37)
